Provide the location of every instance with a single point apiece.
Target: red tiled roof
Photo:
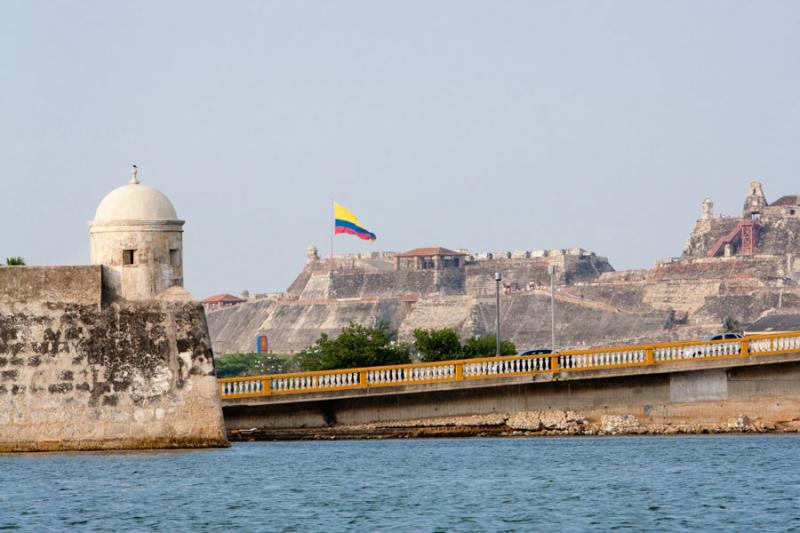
(222, 298)
(786, 200)
(434, 250)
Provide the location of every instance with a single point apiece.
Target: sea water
(735, 483)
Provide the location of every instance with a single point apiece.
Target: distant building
(787, 206)
(219, 301)
(429, 258)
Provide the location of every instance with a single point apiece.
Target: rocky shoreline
(524, 423)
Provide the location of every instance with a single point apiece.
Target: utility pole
(552, 270)
(497, 280)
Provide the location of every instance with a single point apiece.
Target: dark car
(692, 351)
(725, 336)
(537, 351)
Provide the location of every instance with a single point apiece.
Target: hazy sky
(483, 125)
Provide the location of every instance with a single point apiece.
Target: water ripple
(575, 484)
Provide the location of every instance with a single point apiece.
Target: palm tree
(15, 261)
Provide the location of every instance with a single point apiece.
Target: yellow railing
(497, 367)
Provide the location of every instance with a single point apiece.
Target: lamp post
(497, 279)
(552, 270)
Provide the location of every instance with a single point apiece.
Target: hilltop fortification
(731, 267)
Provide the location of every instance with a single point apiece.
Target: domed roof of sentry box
(135, 201)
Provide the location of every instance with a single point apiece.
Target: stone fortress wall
(77, 375)
(679, 298)
(112, 355)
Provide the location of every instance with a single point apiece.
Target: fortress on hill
(737, 267)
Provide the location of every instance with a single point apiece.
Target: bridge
(728, 373)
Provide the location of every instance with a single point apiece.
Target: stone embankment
(524, 423)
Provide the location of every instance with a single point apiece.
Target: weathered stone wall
(360, 283)
(234, 329)
(76, 376)
(22, 286)
(292, 326)
(438, 312)
(779, 236)
(570, 269)
(525, 318)
(722, 268)
(298, 326)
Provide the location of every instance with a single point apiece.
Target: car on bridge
(695, 351)
(537, 351)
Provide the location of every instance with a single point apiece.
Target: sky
(493, 125)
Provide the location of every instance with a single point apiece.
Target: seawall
(79, 375)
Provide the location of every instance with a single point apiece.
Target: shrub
(15, 261)
(234, 365)
(437, 344)
(487, 347)
(356, 346)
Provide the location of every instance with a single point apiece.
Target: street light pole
(497, 279)
(552, 270)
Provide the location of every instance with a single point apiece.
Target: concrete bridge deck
(672, 384)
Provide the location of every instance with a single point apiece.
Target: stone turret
(312, 255)
(755, 202)
(708, 209)
(137, 237)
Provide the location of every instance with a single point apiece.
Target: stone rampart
(359, 283)
(292, 326)
(78, 285)
(709, 269)
(520, 273)
(75, 375)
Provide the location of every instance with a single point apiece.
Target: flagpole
(333, 227)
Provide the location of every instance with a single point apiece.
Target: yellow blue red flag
(346, 222)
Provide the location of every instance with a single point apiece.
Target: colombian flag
(346, 222)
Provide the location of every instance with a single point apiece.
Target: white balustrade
(324, 381)
(589, 360)
(674, 353)
(782, 344)
(410, 375)
(507, 366)
(242, 387)
(760, 346)
(775, 344)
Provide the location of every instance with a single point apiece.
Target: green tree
(487, 347)
(356, 346)
(15, 261)
(234, 365)
(437, 344)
